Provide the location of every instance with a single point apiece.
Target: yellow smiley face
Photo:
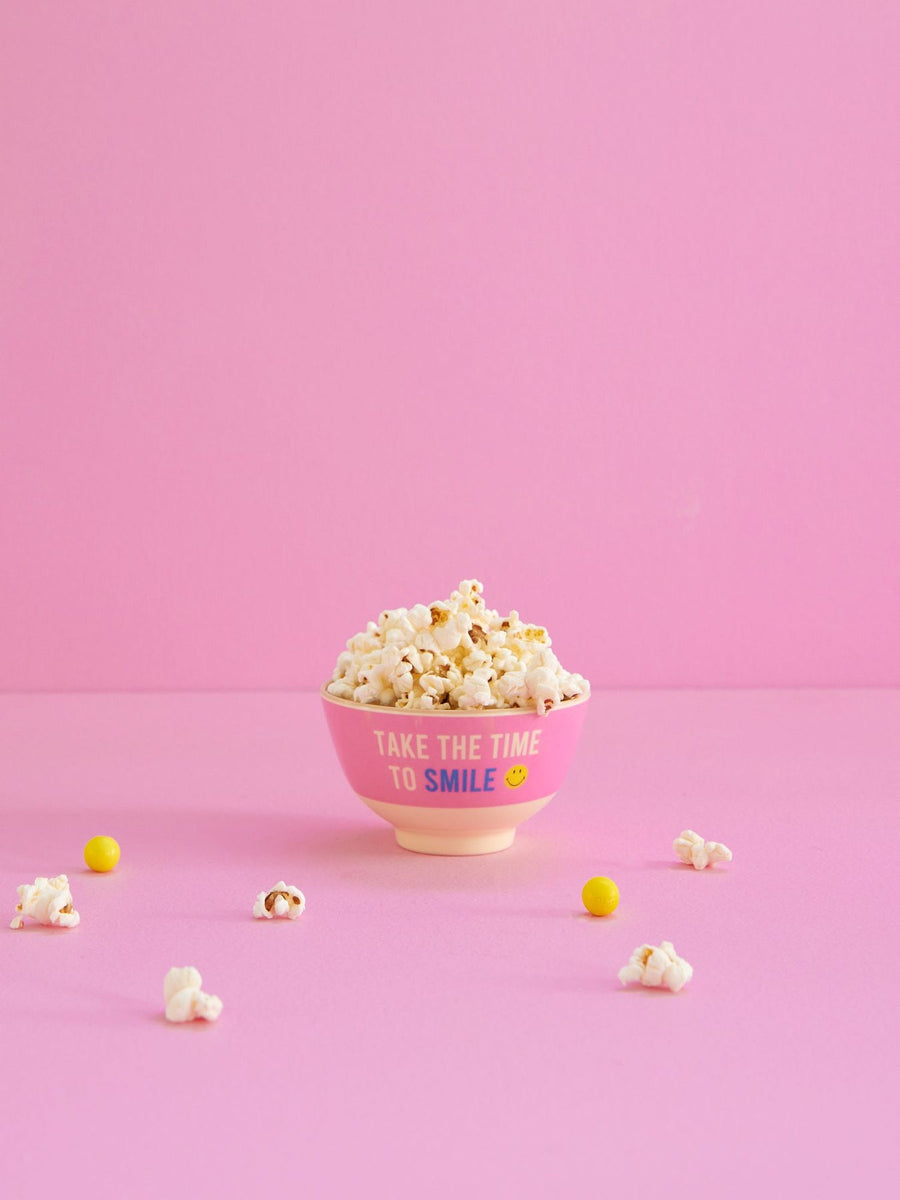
(515, 776)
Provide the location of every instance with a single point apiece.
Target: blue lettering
(430, 779)
(449, 780)
(489, 774)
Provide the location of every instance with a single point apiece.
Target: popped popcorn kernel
(282, 900)
(692, 849)
(657, 966)
(47, 901)
(453, 654)
(184, 999)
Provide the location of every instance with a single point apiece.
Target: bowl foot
(487, 841)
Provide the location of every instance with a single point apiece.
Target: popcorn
(511, 689)
(543, 686)
(283, 900)
(475, 690)
(184, 1000)
(691, 848)
(47, 901)
(453, 654)
(657, 966)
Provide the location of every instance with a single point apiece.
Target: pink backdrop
(307, 310)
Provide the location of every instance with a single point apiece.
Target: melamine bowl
(454, 782)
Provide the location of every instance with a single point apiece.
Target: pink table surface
(443, 1027)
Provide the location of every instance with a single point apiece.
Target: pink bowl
(454, 782)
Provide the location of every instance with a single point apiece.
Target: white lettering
(519, 744)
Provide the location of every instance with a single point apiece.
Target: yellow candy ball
(600, 896)
(101, 853)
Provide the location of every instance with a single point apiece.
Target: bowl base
(428, 842)
(456, 830)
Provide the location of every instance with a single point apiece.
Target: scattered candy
(283, 900)
(47, 901)
(657, 966)
(184, 1000)
(600, 896)
(691, 848)
(101, 853)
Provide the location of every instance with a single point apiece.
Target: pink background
(311, 309)
(438, 1027)
(308, 310)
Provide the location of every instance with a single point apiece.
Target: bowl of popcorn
(452, 723)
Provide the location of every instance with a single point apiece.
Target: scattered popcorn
(691, 848)
(657, 966)
(184, 1000)
(47, 901)
(453, 654)
(283, 900)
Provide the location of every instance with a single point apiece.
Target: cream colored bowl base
(456, 830)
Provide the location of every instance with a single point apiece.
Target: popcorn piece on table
(47, 901)
(691, 848)
(657, 966)
(184, 1000)
(283, 900)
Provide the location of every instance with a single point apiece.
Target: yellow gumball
(600, 896)
(101, 853)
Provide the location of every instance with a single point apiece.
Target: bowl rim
(572, 702)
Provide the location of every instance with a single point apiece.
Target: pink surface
(306, 310)
(446, 1027)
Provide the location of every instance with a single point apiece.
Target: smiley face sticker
(516, 776)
